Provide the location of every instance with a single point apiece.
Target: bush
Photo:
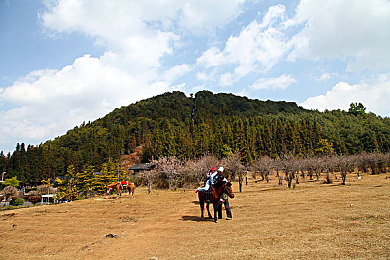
(34, 199)
(16, 202)
(9, 192)
(32, 193)
(44, 189)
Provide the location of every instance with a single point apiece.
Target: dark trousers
(227, 207)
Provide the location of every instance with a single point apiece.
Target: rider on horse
(210, 180)
(214, 177)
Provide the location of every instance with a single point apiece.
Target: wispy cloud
(281, 82)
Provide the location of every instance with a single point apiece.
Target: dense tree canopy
(190, 127)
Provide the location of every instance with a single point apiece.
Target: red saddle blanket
(124, 183)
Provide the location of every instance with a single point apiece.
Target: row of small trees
(173, 173)
(294, 167)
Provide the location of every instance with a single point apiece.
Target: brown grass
(312, 221)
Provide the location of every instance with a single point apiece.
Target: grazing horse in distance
(220, 188)
(121, 185)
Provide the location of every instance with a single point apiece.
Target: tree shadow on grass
(194, 218)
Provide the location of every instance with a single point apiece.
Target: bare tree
(9, 192)
(310, 164)
(278, 167)
(362, 162)
(288, 164)
(329, 164)
(374, 162)
(318, 166)
(46, 189)
(232, 165)
(149, 177)
(302, 167)
(381, 162)
(296, 167)
(345, 165)
(198, 168)
(173, 169)
(263, 165)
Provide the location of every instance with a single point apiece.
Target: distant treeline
(190, 127)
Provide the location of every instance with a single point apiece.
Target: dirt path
(271, 222)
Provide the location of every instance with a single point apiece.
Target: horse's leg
(208, 209)
(131, 192)
(201, 203)
(215, 206)
(220, 211)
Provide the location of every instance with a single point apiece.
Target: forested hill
(173, 124)
(176, 105)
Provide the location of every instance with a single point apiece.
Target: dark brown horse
(220, 188)
(121, 185)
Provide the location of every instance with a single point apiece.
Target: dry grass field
(312, 221)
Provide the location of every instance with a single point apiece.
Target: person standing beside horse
(225, 201)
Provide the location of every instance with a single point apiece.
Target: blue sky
(68, 61)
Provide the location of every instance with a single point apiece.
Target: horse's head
(228, 190)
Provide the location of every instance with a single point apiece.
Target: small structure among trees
(136, 168)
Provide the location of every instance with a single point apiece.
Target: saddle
(124, 184)
(208, 193)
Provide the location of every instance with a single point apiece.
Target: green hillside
(173, 124)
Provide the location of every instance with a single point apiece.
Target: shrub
(9, 192)
(44, 189)
(16, 202)
(32, 193)
(34, 199)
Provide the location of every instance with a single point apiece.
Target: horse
(122, 185)
(215, 197)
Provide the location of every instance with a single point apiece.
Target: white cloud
(259, 46)
(226, 79)
(324, 77)
(201, 76)
(357, 29)
(176, 72)
(202, 15)
(281, 82)
(374, 94)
